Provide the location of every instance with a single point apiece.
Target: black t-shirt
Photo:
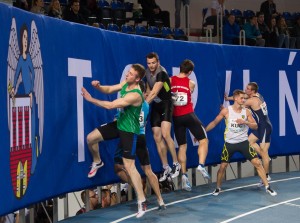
(165, 92)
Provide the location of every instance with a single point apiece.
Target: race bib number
(180, 99)
(264, 108)
(234, 127)
(142, 119)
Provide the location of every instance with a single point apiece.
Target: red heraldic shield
(20, 144)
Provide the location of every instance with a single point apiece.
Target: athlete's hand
(174, 96)
(241, 121)
(95, 84)
(87, 96)
(226, 97)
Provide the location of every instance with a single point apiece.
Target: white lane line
(203, 195)
(293, 205)
(259, 209)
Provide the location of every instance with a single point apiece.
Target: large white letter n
(79, 68)
(286, 93)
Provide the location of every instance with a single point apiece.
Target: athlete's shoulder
(162, 73)
(247, 110)
(192, 82)
(224, 111)
(251, 100)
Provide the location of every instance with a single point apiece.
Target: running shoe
(261, 184)
(162, 207)
(185, 184)
(175, 170)
(270, 191)
(203, 172)
(142, 206)
(216, 191)
(94, 169)
(166, 173)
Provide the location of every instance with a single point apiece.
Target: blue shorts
(263, 132)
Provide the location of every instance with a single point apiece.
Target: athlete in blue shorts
(259, 110)
(258, 107)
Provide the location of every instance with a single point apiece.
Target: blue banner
(46, 61)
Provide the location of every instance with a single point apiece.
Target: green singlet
(128, 120)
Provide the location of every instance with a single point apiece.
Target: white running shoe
(161, 205)
(185, 184)
(175, 170)
(216, 191)
(165, 174)
(203, 172)
(94, 169)
(142, 206)
(270, 191)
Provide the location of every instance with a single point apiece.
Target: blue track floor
(240, 201)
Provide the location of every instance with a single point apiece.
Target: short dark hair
(140, 70)
(237, 92)
(73, 1)
(142, 86)
(152, 55)
(259, 14)
(254, 86)
(186, 66)
(82, 195)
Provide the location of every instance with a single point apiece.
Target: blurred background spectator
(263, 28)
(252, 33)
(72, 13)
(23, 4)
(269, 9)
(93, 201)
(231, 31)
(55, 9)
(178, 9)
(153, 13)
(283, 33)
(273, 39)
(215, 9)
(38, 7)
(296, 32)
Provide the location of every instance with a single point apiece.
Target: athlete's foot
(94, 169)
(166, 173)
(161, 205)
(270, 191)
(142, 207)
(175, 170)
(216, 191)
(203, 171)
